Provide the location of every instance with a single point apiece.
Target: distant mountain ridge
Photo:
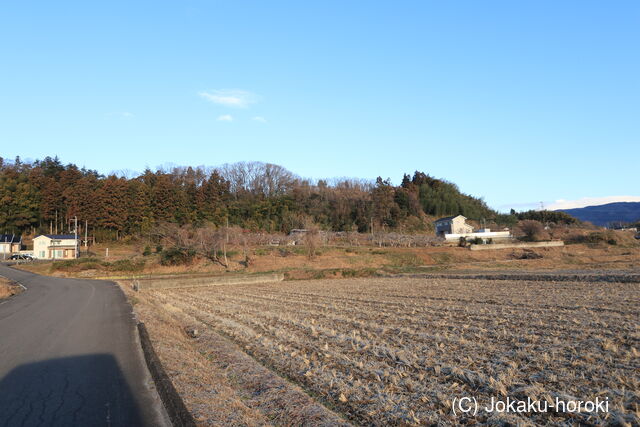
(603, 215)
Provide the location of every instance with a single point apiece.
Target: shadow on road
(86, 390)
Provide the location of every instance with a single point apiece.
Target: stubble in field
(398, 351)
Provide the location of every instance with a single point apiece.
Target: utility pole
(75, 235)
(86, 238)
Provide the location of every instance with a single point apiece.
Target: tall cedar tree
(252, 195)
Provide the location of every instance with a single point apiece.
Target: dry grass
(397, 351)
(7, 289)
(222, 385)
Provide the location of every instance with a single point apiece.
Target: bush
(177, 256)
(125, 265)
(362, 272)
(319, 274)
(597, 237)
(80, 264)
(147, 251)
(158, 249)
(531, 231)
(83, 264)
(528, 254)
(230, 254)
(284, 252)
(262, 251)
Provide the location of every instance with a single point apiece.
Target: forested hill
(256, 196)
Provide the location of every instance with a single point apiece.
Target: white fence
(483, 235)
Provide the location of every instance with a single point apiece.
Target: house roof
(58, 236)
(447, 218)
(10, 238)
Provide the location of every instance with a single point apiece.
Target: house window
(41, 254)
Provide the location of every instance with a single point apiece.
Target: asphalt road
(70, 355)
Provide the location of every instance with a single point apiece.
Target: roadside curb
(173, 403)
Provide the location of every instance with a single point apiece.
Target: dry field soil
(379, 351)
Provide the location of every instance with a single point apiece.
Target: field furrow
(397, 351)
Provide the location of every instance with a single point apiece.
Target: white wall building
(455, 227)
(56, 246)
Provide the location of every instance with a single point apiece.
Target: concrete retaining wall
(612, 277)
(177, 282)
(172, 401)
(517, 245)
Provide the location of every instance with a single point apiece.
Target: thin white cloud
(259, 119)
(125, 115)
(225, 118)
(230, 97)
(590, 201)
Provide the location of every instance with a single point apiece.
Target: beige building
(56, 246)
(9, 244)
(453, 225)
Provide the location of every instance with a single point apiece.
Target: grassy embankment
(595, 250)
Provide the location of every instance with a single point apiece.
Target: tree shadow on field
(71, 391)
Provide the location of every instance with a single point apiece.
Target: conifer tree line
(253, 195)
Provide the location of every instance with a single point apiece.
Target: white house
(455, 227)
(56, 246)
(452, 225)
(9, 244)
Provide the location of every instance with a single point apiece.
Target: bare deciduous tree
(258, 178)
(208, 242)
(312, 239)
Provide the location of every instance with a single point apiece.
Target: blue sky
(518, 102)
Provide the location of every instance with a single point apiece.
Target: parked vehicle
(16, 257)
